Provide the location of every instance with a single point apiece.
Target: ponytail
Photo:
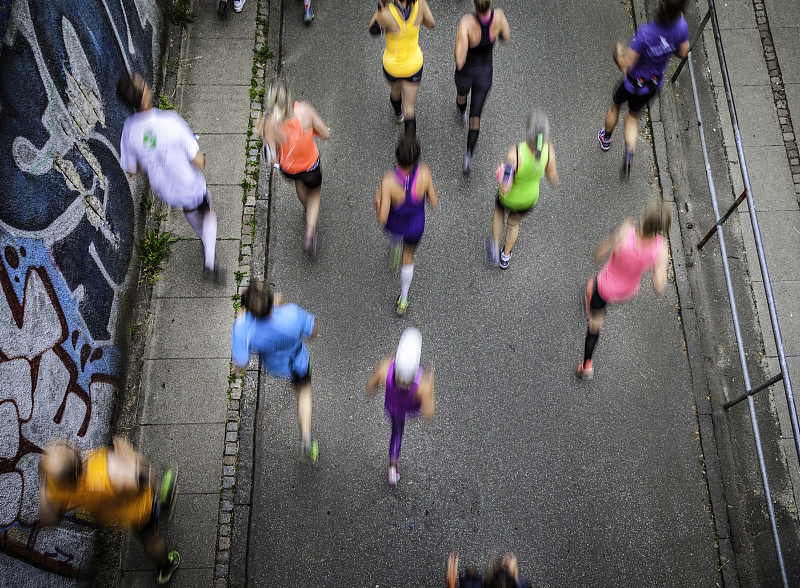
(280, 100)
(537, 132)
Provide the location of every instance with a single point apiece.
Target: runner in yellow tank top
(402, 59)
(114, 486)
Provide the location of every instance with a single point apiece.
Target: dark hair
(497, 576)
(407, 152)
(656, 218)
(257, 299)
(128, 92)
(482, 6)
(669, 10)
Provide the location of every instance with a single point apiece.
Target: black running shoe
(164, 574)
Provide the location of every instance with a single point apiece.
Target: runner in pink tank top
(630, 253)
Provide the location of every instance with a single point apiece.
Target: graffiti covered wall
(67, 223)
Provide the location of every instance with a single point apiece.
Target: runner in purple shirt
(643, 62)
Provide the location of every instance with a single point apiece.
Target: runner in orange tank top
(288, 138)
(115, 486)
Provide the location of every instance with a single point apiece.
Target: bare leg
(409, 99)
(631, 129)
(498, 221)
(408, 253)
(304, 409)
(302, 194)
(312, 210)
(512, 230)
(155, 548)
(612, 116)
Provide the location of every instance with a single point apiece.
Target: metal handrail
(762, 262)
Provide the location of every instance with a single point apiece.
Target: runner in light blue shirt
(276, 332)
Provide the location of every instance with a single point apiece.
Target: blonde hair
(656, 218)
(279, 100)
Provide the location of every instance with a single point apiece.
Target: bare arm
(462, 43)
(683, 50)
(321, 130)
(550, 169)
(660, 270)
(433, 197)
(385, 200)
(379, 376)
(505, 31)
(616, 239)
(625, 57)
(199, 161)
(511, 159)
(427, 15)
(426, 394)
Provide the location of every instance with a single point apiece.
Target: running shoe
(491, 252)
(504, 259)
(394, 475)
(395, 252)
(164, 574)
(466, 167)
(586, 370)
(463, 117)
(216, 275)
(399, 118)
(311, 450)
(238, 5)
(308, 15)
(168, 492)
(310, 244)
(627, 164)
(605, 144)
(402, 305)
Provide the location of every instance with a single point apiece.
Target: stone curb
(231, 553)
(778, 94)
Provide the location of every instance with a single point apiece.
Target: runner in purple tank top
(643, 63)
(400, 203)
(409, 390)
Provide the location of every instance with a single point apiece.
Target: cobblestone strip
(779, 94)
(261, 55)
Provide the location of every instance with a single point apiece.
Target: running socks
(406, 274)
(397, 105)
(472, 139)
(410, 126)
(588, 346)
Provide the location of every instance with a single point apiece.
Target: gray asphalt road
(590, 484)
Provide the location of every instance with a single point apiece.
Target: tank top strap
(390, 375)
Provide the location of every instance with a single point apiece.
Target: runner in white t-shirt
(161, 143)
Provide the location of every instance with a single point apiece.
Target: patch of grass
(153, 250)
(164, 103)
(161, 216)
(238, 276)
(231, 378)
(148, 203)
(237, 302)
(180, 14)
(263, 55)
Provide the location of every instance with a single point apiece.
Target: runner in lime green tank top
(518, 186)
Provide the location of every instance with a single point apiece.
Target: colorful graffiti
(66, 241)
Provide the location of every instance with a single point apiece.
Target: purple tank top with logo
(408, 219)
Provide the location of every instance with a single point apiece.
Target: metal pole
(773, 380)
(691, 47)
(721, 222)
(737, 330)
(762, 260)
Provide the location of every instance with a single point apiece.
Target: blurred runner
(630, 253)
(115, 486)
(475, 40)
(402, 59)
(643, 63)
(277, 332)
(288, 139)
(161, 143)
(400, 204)
(518, 186)
(409, 390)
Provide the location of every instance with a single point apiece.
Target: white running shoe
(238, 5)
(394, 475)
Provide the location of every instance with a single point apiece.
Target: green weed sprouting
(180, 14)
(153, 250)
(164, 103)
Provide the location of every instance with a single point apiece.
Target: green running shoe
(311, 450)
(164, 574)
(402, 305)
(168, 492)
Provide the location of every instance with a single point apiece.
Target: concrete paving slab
(793, 100)
(183, 578)
(224, 110)
(770, 179)
(783, 12)
(192, 532)
(788, 51)
(760, 126)
(178, 332)
(209, 26)
(788, 307)
(735, 14)
(194, 448)
(779, 395)
(225, 158)
(780, 233)
(204, 66)
(181, 277)
(184, 391)
(226, 200)
(743, 48)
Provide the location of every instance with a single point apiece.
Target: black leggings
(479, 82)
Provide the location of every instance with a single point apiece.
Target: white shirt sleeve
(127, 155)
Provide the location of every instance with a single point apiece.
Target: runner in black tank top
(474, 66)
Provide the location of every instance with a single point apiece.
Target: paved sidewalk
(763, 60)
(186, 396)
